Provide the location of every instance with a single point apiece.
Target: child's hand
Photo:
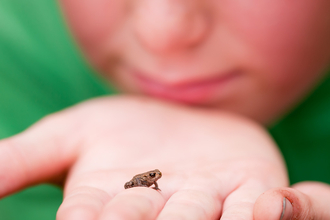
(212, 162)
(305, 200)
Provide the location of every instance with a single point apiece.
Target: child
(211, 73)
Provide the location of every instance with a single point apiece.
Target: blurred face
(252, 57)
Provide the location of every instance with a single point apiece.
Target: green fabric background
(304, 137)
(41, 71)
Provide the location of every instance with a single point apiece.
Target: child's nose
(167, 25)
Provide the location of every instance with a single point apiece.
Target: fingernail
(287, 210)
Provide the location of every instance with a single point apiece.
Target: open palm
(214, 164)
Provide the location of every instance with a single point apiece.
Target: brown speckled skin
(145, 179)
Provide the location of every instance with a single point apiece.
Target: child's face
(253, 57)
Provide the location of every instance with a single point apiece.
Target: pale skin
(223, 164)
(217, 161)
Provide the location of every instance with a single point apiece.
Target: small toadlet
(145, 179)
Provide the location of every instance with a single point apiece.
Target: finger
(304, 201)
(83, 203)
(239, 204)
(135, 203)
(273, 205)
(319, 196)
(36, 155)
(192, 204)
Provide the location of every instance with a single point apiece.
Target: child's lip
(191, 92)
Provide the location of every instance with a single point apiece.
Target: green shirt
(42, 71)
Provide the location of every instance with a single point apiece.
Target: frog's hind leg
(156, 186)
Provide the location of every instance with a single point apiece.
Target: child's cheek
(287, 39)
(92, 22)
(288, 49)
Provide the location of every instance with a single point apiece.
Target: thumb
(40, 153)
(304, 201)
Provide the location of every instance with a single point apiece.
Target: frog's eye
(152, 175)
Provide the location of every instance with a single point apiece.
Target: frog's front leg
(156, 186)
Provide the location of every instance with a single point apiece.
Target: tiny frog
(145, 179)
